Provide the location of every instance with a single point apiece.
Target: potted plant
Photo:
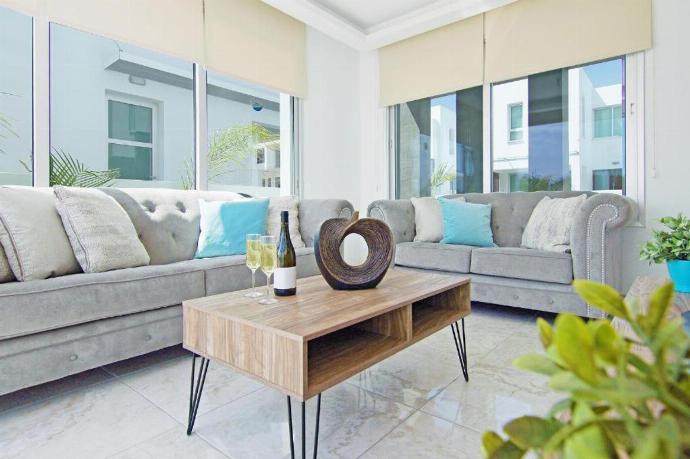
(619, 403)
(673, 247)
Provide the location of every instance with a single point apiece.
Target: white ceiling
(371, 24)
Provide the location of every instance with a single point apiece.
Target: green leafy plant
(620, 403)
(66, 170)
(228, 150)
(671, 244)
(441, 175)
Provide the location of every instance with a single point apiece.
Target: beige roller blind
(253, 41)
(437, 62)
(30, 7)
(531, 36)
(173, 27)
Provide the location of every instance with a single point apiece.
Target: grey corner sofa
(61, 326)
(509, 274)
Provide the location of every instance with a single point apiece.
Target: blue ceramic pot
(680, 274)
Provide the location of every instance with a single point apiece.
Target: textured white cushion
(102, 235)
(549, 225)
(32, 234)
(6, 274)
(428, 219)
(277, 204)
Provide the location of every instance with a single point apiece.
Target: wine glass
(269, 263)
(253, 261)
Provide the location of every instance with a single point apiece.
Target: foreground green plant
(669, 245)
(620, 404)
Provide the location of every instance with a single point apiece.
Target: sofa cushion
(32, 234)
(276, 205)
(520, 263)
(431, 255)
(31, 307)
(100, 231)
(549, 225)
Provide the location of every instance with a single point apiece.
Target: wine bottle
(285, 280)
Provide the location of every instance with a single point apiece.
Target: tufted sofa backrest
(510, 212)
(167, 221)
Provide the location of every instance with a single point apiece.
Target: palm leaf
(66, 170)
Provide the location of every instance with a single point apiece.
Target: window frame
(612, 121)
(511, 129)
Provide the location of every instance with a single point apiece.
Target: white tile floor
(413, 405)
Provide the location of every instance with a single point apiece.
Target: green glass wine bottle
(285, 277)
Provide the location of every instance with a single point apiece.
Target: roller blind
(437, 62)
(29, 7)
(532, 36)
(173, 27)
(253, 41)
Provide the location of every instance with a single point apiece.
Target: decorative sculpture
(342, 276)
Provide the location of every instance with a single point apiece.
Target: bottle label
(285, 278)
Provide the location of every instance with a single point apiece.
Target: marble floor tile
(426, 436)
(173, 444)
(412, 376)
(52, 389)
(506, 351)
(256, 426)
(492, 397)
(89, 423)
(167, 385)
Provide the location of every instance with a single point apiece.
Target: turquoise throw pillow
(466, 223)
(225, 225)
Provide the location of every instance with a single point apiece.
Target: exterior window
(515, 122)
(244, 136)
(560, 150)
(130, 140)
(119, 111)
(439, 145)
(608, 121)
(16, 111)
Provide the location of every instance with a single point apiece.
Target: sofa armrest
(595, 240)
(313, 212)
(398, 214)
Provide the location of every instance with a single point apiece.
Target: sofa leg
(461, 346)
(195, 392)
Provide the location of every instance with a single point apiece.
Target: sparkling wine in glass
(253, 260)
(269, 262)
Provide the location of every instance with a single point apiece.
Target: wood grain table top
(317, 309)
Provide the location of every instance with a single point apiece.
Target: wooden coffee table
(307, 343)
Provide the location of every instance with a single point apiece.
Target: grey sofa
(60, 326)
(509, 274)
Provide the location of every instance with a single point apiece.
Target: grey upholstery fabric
(430, 255)
(6, 274)
(101, 233)
(32, 234)
(313, 212)
(31, 307)
(43, 357)
(519, 263)
(399, 215)
(167, 221)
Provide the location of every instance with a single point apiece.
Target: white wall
(667, 158)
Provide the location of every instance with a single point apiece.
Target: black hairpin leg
(195, 392)
(461, 346)
(304, 433)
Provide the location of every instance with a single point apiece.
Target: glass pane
(103, 89)
(244, 137)
(516, 116)
(439, 145)
(16, 125)
(130, 122)
(574, 127)
(134, 163)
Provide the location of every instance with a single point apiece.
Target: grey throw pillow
(32, 234)
(549, 225)
(428, 219)
(102, 235)
(277, 204)
(6, 274)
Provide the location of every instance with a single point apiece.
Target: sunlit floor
(415, 404)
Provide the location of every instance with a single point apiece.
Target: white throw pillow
(102, 235)
(32, 234)
(6, 274)
(276, 205)
(428, 219)
(549, 225)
